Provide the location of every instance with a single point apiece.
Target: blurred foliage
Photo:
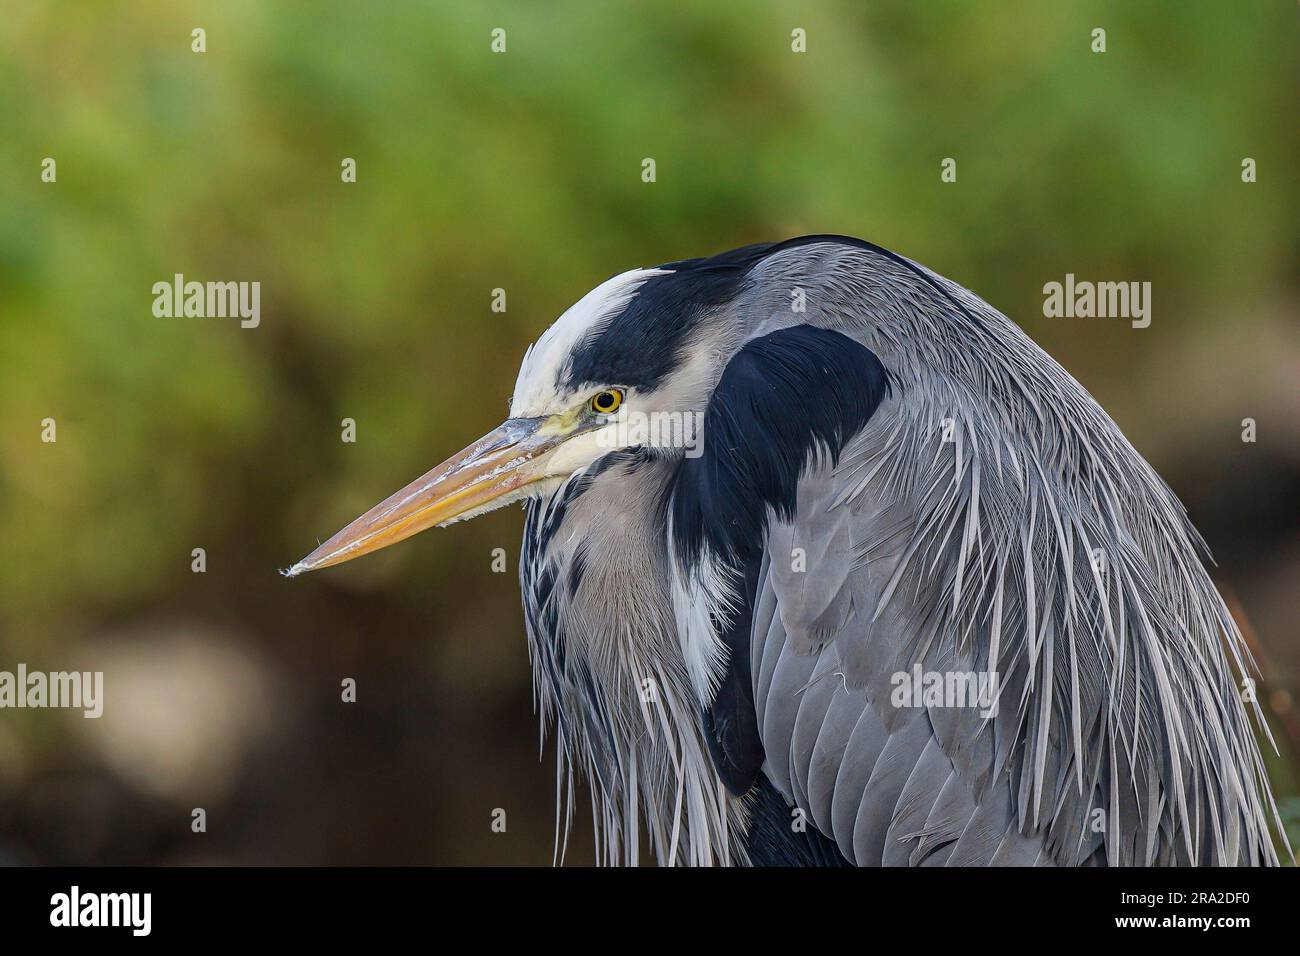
(522, 171)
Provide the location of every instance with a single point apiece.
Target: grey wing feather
(991, 519)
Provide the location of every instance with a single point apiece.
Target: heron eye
(608, 401)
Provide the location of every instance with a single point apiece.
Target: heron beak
(502, 461)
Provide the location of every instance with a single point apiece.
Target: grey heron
(894, 491)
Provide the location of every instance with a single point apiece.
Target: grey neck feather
(609, 672)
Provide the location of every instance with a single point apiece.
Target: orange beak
(500, 463)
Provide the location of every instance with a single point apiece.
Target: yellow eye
(604, 403)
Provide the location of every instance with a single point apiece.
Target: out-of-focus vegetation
(522, 171)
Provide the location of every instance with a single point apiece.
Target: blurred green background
(522, 171)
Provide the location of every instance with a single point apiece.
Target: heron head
(631, 364)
